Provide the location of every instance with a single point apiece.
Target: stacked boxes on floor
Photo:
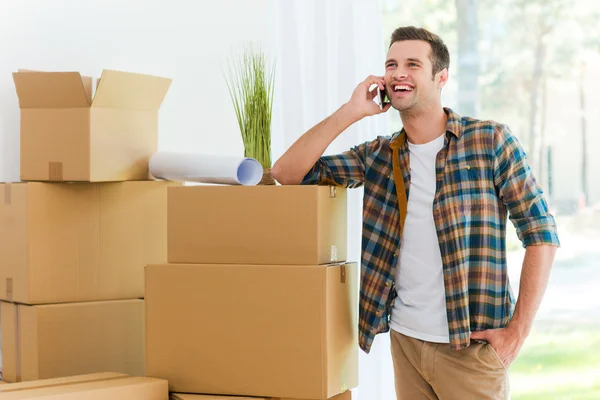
(76, 234)
(257, 298)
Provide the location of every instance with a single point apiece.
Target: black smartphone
(383, 98)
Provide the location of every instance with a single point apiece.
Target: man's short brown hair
(440, 57)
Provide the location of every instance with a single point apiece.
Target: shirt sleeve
(519, 191)
(346, 169)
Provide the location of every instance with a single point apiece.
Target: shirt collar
(453, 125)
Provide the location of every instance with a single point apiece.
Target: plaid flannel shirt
(482, 175)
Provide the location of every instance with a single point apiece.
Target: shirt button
(387, 284)
(379, 313)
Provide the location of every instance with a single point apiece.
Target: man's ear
(442, 77)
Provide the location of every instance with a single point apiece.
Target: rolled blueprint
(205, 168)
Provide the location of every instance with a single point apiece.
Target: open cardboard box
(69, 135)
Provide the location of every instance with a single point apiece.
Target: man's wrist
(349, 114)
(520, 327)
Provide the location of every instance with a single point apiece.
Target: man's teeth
(402, 87)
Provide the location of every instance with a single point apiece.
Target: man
(436, 199)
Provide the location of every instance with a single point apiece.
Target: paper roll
(204, 168)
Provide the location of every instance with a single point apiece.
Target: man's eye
(390, 65)
(413, 65)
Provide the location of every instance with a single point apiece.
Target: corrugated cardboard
(301, 225)
(253, 330)
(89, 387)
(60, 340)
(68, 136)
(185, 396)
(72, 242)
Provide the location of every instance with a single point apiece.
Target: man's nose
(400, 74)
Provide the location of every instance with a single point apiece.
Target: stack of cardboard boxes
(76, 234)
(247, 289)
(256, 298)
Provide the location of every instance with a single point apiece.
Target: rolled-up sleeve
(519, 191)
(346, 169)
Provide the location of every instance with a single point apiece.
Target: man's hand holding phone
(362, 101)
(382, 98)
(292, 167)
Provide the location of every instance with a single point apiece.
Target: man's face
(409, 78)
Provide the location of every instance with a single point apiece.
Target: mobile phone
(383, 98)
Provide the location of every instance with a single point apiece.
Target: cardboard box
(72, 242)
(301, 225)
(253, 330)
(186, 396)
(68, 380)
(99, 386)
(59, 340)
(68, 136)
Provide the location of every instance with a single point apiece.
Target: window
(535, 65)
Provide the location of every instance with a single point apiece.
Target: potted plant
(250, 84)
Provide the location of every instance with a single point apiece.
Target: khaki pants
(425, 370)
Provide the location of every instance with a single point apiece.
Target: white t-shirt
(420, 308)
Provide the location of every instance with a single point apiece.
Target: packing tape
(7, 193)
(343, 273)
(55, 171)
(332, 192)
(333, 253)
(9, 289)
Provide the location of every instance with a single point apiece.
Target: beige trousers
(425, 370)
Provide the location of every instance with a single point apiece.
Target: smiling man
(437, 195)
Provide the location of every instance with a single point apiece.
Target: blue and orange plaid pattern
(482, 176)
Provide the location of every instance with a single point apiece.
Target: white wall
(187, 40)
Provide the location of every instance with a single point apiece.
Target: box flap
(130, 91)
(86, 80)
(51, 89)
